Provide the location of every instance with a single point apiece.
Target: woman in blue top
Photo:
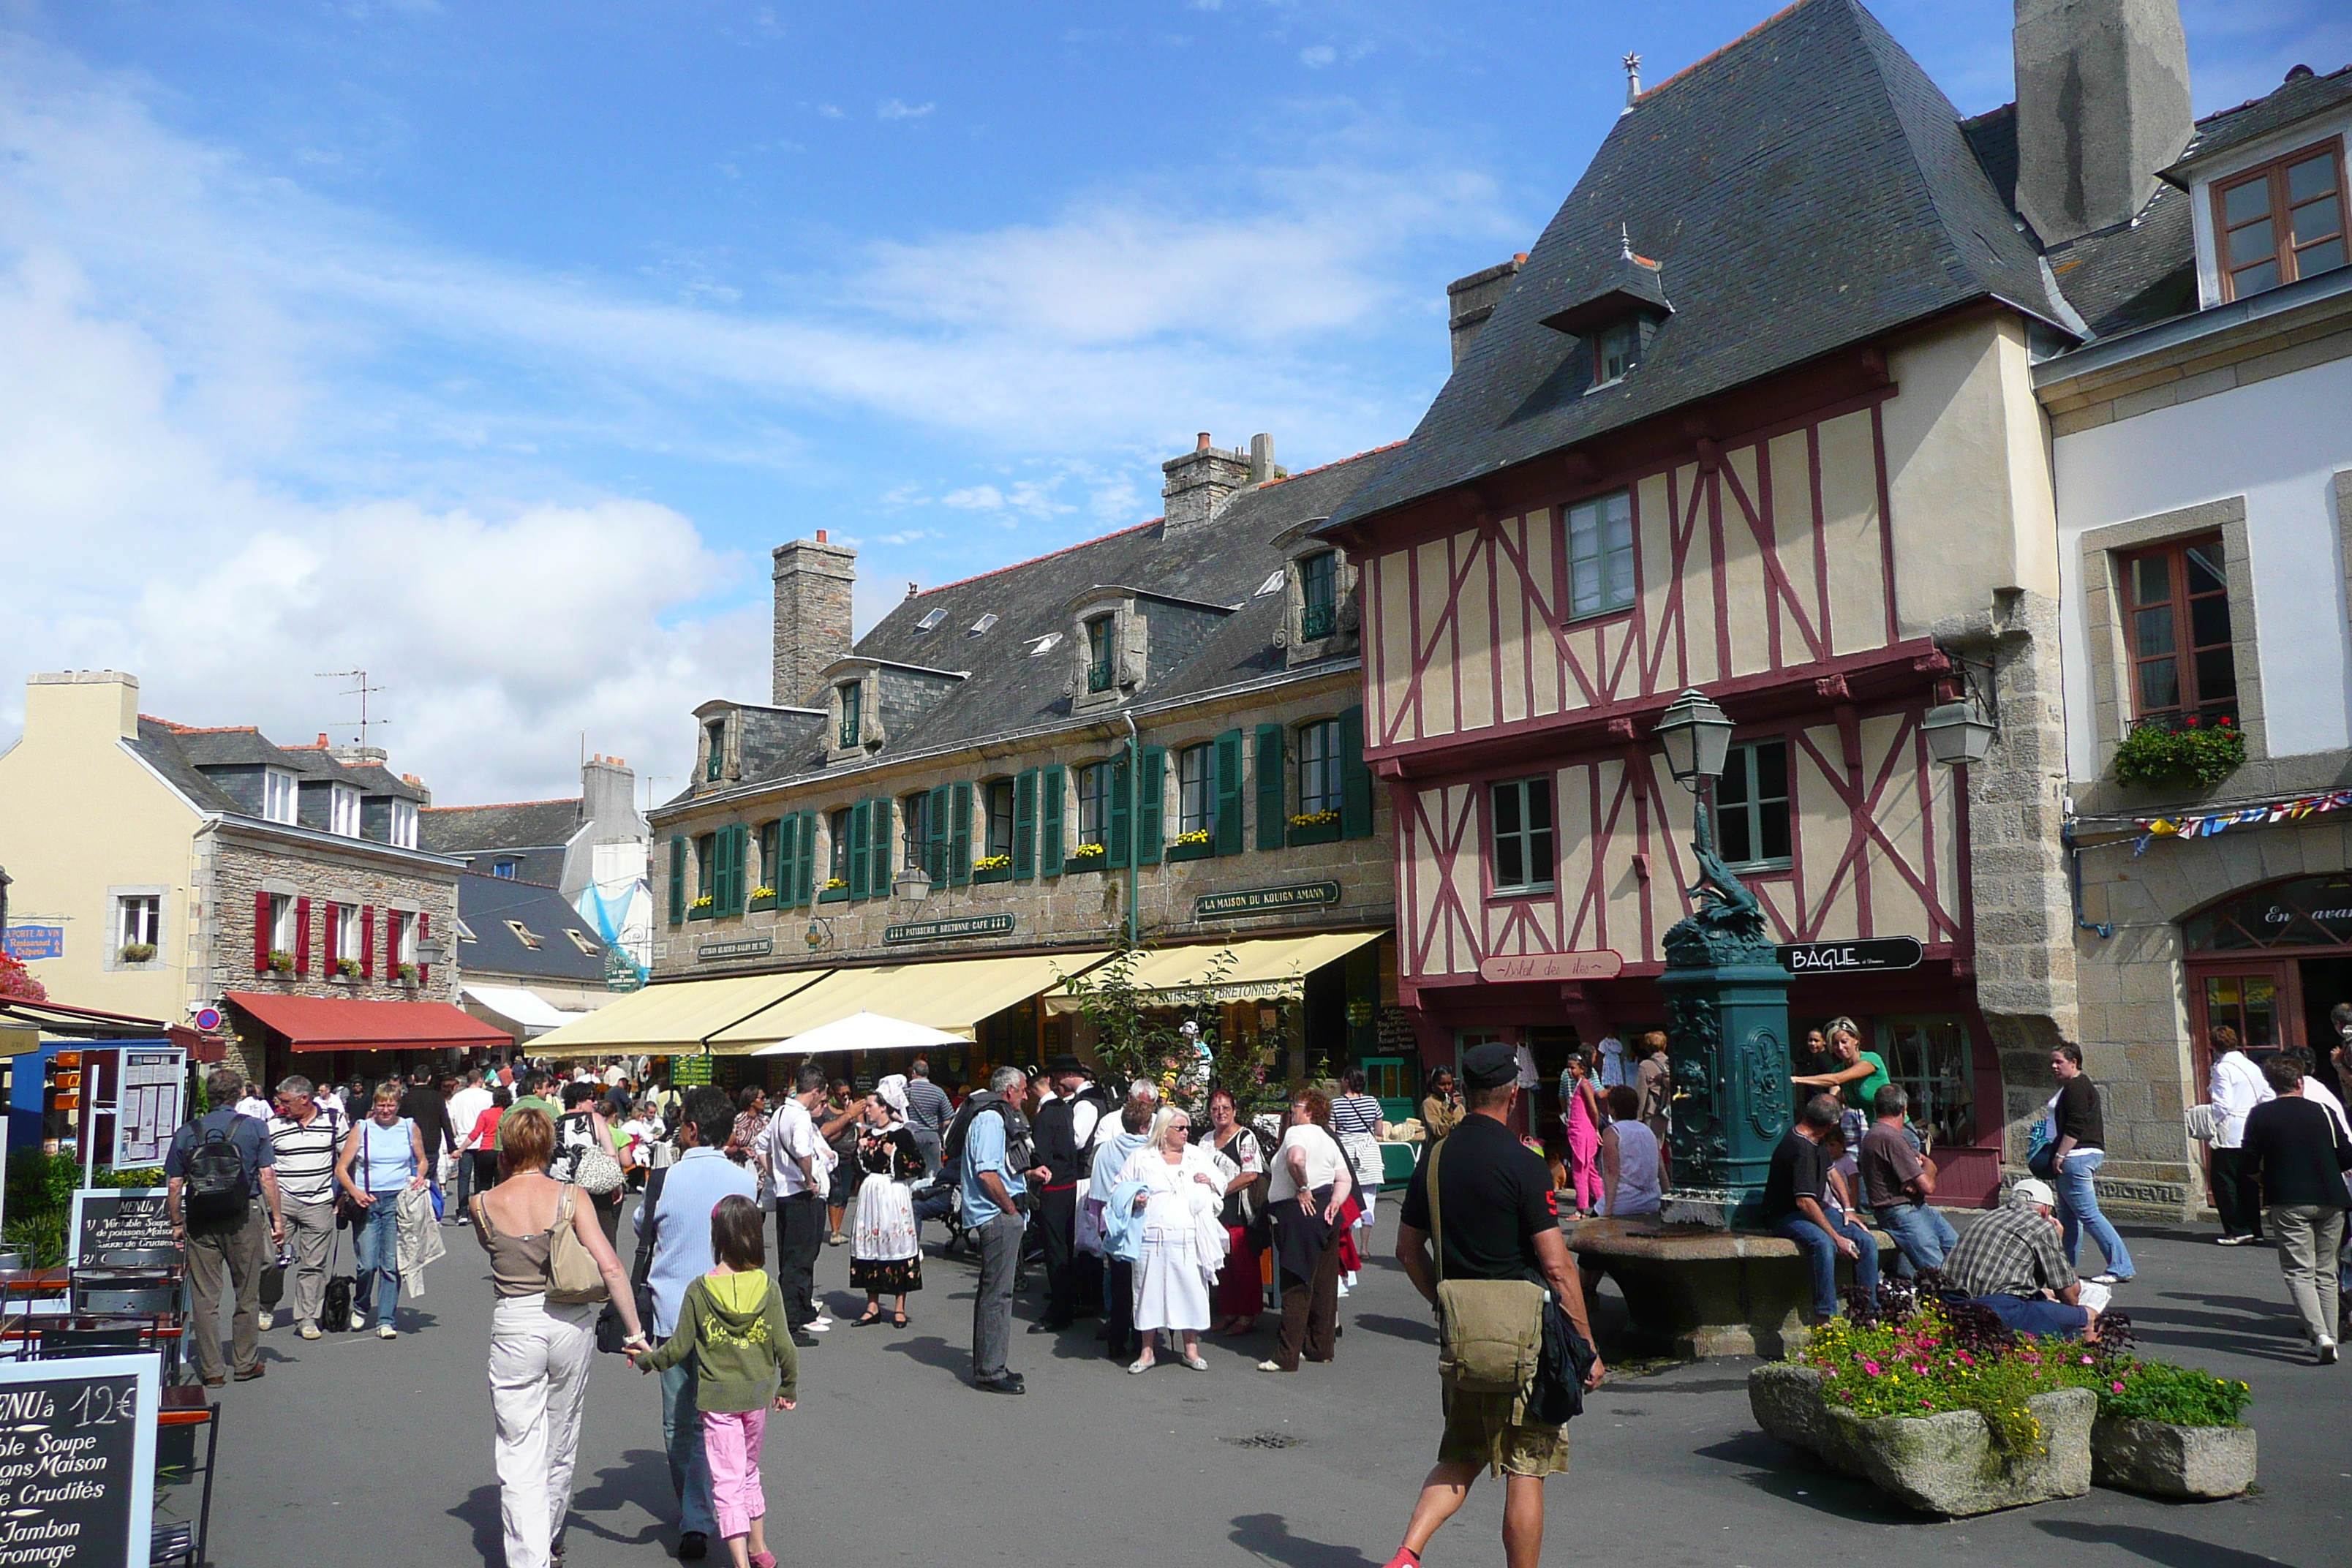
(383, 1158)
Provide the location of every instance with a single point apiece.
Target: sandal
(868, 1320)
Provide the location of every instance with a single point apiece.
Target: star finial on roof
(1633, 80)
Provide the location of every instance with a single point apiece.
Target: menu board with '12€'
(78, 1461)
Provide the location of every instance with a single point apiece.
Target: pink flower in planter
(2117, 1387)
(1871, 1367)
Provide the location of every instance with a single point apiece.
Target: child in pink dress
(1583, 1118)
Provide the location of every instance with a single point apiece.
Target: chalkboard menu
(78, 1461)
(109, 1220)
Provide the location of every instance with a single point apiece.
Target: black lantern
(1697, 736)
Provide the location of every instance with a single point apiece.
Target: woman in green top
(1858, 1075)
(732, 1323)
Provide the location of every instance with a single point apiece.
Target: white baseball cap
(2032, 1191)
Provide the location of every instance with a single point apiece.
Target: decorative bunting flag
(2207, 826)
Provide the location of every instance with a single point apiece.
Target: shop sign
(735, 947)
(1264, 900)
(943, 931)
(621, 970)
(1875, 955)
(78, 1459)
(107, 1220)
(26, 943)
(691, 1072)
(1595, 964)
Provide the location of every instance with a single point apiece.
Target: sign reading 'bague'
(1873, 954)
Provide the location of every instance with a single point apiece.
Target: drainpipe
(1134, 821)
(2075, 880)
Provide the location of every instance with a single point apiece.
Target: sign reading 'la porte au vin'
(1594, 963)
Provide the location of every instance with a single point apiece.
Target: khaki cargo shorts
(1479, 1431)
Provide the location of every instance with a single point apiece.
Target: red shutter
(424, 930)
(302, 939)
(332, 940)
(367, 941)
(391, 944)
(261, 933)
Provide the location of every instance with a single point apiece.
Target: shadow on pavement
(1397, 1328)
(641, 1477)
(479, 1513)
(1268, 1535)
(1783, 1473)
(2162, 1546)
(931, 1351)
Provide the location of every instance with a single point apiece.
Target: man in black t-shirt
(1796, 1205)
(1494, 1208)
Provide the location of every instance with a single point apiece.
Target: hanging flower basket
(2160, 754)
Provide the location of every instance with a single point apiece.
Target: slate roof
(486, 903)
(1804, 189)
(519, 825)
(180, 752)
(165, 748)
(2302, 93)
(1220, 563)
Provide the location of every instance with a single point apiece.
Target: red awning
(336, 1024)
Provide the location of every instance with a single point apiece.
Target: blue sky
(491, 346)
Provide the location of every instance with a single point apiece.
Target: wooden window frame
(1331, 790)
(1602, 553)
(851, 695)
(988, 795)
(2191, 702)
(1743, 754)
(1527, 833)
(914, 829)
(837, 824)
(2285, 252)
(1204, 787)
(1102, 653)
(714, 765)
(1319, 595)
(1630, 328)
(1096, 776)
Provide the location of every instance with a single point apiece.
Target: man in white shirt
(253, 1105)
(465, 1107)
(799, 1164)
(2234, 1086)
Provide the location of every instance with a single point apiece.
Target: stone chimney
(358, 756)
(813, 583)
(82, 707)
(608, 800)
(2102, 105)
(1470, 300)
(1200, 482)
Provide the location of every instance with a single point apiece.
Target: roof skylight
(1272, 584)
(931, 621)
(979, 626)
(1045, 645)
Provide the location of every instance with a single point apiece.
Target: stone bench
(1700, 1294)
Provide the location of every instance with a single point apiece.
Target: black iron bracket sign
(1878, 955)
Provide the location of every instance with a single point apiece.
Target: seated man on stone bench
(2010, 1263)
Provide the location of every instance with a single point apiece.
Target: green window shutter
(1050, 793)
(935, 838)
(959, 837)
(1355, 777)
(808, 858)
(861, 817)
(1122, 834)
(878, 847)
(722, 895)
(786, 878)
(1025, 826)
(676, 880)
(1150, 801)
(1272, 820)
(739, 839)
(1228, 793)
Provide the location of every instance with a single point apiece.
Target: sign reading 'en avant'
(941, 930)
(1596, 963)
(736, 947)
(1264, 900)
(1883, 953)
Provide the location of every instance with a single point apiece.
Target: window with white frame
(1601, 554)
(999, 798)
(282, 797)
(1523, 835)
(343, 810)
(281, 922)
(1196, 790)
(1318, 767)
(1751, 805)
(345, 922)
(1093, 804)
(139, 922)
(404, 823)
(404, 925)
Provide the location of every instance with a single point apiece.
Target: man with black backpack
(1063, 1128)
(218, 1165)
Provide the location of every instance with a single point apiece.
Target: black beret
(1489, 1066)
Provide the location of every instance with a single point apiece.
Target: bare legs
(1442, 1496)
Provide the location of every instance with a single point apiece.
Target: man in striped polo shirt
(306, 1137)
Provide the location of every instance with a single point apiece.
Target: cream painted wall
(79, 813)
(1968, 474)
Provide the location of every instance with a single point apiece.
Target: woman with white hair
(1183, 1193)
(884, 1258)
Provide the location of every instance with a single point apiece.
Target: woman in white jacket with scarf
(1182, 1194)
(2234, 1086)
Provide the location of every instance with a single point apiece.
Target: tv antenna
(361, 691)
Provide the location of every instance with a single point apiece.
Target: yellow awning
(950, 994)
(1263, 968)
(673, 1019)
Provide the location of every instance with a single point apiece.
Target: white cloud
(975, 498)
(1316, 56)
(893, 109)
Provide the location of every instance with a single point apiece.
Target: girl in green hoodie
(732, 1323)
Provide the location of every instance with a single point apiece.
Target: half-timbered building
(1755, 415)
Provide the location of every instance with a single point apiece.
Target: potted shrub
(1086, 857)
(992, 868)
(2171, 1432)
(280, 961)
(347, 969)
(137, 951)
(1314, 827)
(763, 898)
(405, 973)
(1197, 845)
(2158, 753)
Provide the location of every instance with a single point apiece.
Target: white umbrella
(862, 1032)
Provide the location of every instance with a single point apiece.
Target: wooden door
(2261, 999)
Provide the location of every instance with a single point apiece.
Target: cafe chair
(184, 1410)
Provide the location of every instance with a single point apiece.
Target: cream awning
(673, 1019)
(1263, 968)
(950, 994)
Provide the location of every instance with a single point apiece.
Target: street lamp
(429, 953)
(1959, 733)
(1696, 735)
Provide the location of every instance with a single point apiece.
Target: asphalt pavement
(356, 1450)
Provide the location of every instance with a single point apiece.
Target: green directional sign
(1266, 900)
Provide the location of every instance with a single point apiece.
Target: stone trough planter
(2157, 1459)
(1942, 1463)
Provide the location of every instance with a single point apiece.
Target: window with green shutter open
(1318, 593)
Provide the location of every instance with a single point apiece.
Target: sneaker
(358, 1323)
(308, 1331)
(2326, 1356)
(2111, 1278)
(265, 1319)
(2231, 1240)
(1269, 1366)
(387, 1331)
(837, 1239)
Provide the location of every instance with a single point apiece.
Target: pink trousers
(731, 1441)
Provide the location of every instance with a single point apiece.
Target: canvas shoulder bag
(573, 1277)
(1490, 1333)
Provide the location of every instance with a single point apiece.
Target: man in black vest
(1062, 1131)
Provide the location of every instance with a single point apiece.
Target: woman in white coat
(1183, 1238)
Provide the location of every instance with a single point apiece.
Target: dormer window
(1616, 349)
(1101, 644)
(343, 811)
(2281, 222)
(715, 738)
(282, 797)
(852, 700)
(403, 824)
(1318, 590)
